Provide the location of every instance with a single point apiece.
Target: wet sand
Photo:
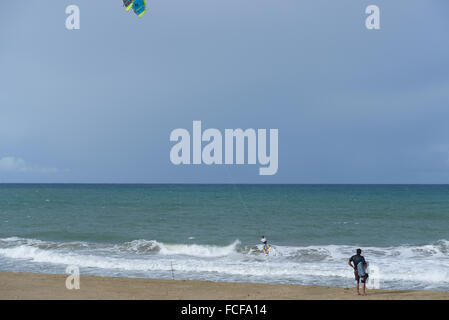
(52, 286)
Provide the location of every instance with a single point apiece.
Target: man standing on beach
(356, 259)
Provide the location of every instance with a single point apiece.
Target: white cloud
(13, 164)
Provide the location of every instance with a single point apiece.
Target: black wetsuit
(356, 259)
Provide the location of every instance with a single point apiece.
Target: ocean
(212, 232)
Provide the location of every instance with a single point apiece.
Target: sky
(352, 105)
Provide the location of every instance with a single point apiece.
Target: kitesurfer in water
(266, 246)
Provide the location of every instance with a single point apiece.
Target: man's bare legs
(363, 289)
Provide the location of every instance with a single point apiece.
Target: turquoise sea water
(212, 231)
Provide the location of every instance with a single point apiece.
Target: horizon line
(220, 183)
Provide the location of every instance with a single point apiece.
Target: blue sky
(351, 105)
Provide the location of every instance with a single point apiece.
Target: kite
(139, 6)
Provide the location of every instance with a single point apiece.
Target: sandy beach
(52, 286)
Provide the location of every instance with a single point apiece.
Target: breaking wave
(408, 267)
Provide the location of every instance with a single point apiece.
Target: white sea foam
(424, 266)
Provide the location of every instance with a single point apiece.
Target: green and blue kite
(139, 6)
